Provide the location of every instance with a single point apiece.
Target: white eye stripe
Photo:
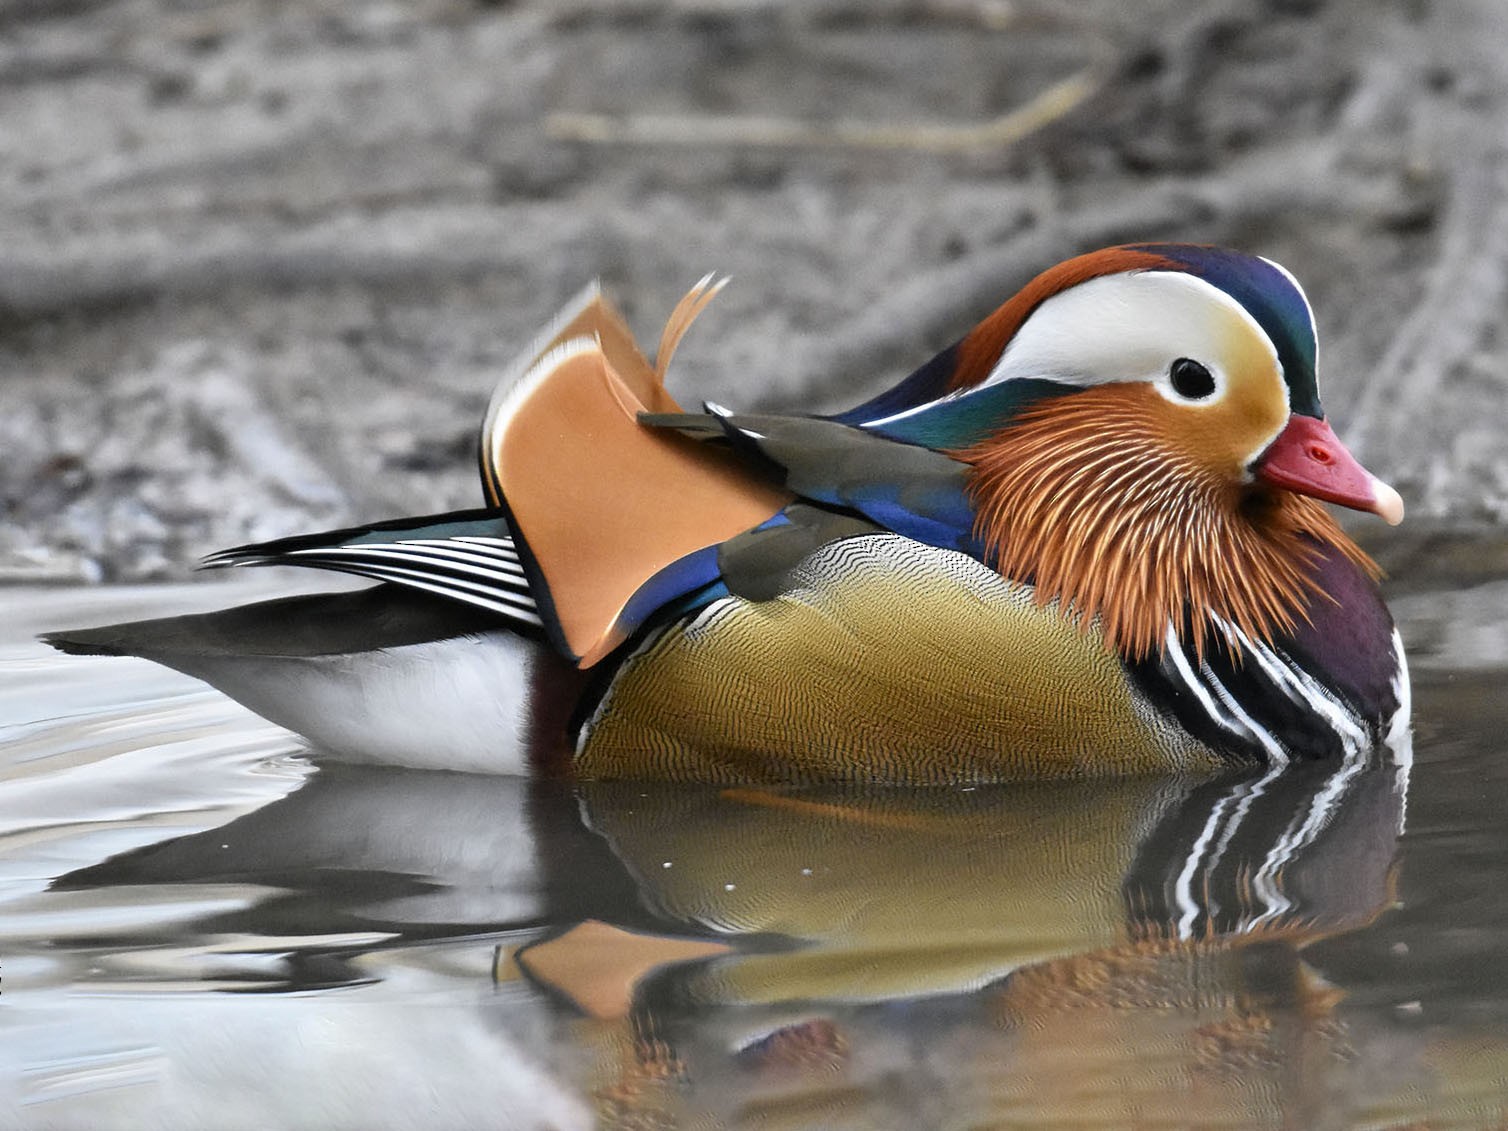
(1128, 327)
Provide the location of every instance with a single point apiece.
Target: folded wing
(606, 505)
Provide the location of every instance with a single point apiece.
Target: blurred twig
(1053, 103)
(944, 299)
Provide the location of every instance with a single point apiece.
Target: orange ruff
(1102, 502)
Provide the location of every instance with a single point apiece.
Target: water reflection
(827, 957)
(1093, 952)
(406, 949)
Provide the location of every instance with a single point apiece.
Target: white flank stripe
(1275, 752)
(1301, 688)
(1234, 719)
(1400, 736)
(1180, 661)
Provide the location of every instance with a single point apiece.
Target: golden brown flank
(885, 661)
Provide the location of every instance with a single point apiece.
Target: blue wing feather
(906, 488)
(925, 385)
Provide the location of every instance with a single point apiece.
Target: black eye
(1191, 380)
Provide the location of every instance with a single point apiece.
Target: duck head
(1147, 441)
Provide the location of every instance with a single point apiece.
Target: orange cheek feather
(1133, 510)
(1225, 436)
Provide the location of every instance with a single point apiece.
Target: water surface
(202, 926)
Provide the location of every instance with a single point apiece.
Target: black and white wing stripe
(469, 557)
(1255, 703)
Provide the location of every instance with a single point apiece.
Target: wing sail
(600, 505)
(592, 517)
(589, 315)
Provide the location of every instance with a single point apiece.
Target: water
(198, 928)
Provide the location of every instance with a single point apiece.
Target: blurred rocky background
(261, 261)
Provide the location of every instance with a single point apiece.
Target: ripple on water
(199, 929)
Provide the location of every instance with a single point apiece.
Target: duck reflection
(1125, 951)
(887, 893)
(789, 956)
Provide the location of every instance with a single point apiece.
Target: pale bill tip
(1386, 502)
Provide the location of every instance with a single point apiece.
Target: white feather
(1129, 327)
(455, 704)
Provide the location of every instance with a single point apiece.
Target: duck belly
(457, 704)
(884, 660)
(379, 675)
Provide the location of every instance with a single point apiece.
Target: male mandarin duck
(1088, 537)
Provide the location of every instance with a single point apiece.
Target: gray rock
(259, 267)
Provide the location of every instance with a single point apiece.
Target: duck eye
(1191, 380)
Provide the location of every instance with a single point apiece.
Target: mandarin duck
(1088, 537)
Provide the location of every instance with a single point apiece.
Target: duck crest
(1085, 497)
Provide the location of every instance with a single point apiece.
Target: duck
(1089, 537)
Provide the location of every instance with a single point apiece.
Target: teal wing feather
(906, 488)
